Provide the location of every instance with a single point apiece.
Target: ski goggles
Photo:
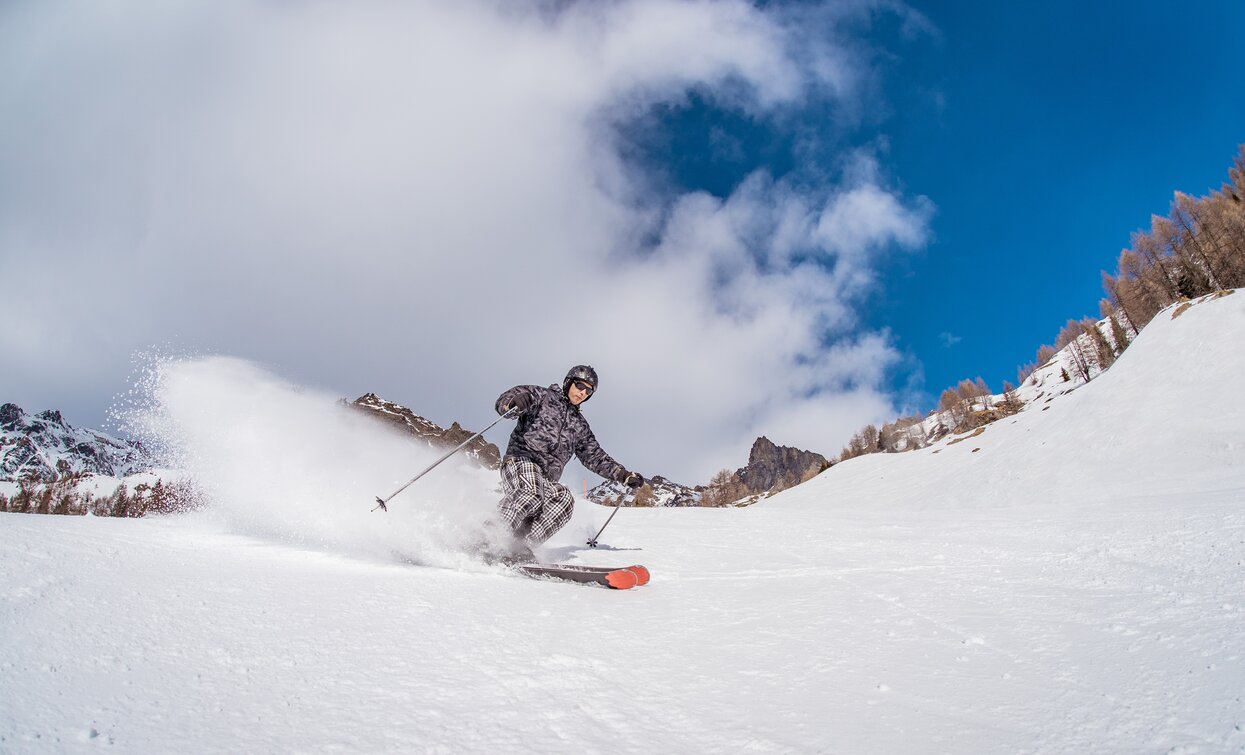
(581, 385)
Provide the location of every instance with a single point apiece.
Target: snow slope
(1074, 585)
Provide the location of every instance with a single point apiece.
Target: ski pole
(380, 502)
(593, 542)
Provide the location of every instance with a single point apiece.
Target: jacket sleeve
(506, 399)
(592, 456)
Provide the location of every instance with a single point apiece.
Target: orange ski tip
(621, 579)
(641, 574)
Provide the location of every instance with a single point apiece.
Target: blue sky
(786, 219)
(1044, 133)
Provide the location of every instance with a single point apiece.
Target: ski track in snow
(1074, 586)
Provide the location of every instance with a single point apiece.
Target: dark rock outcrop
(772, 468)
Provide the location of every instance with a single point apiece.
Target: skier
(550, 428)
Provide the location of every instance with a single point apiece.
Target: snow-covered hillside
(1068, 581)
(1076, 364)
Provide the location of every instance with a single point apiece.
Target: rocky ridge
(436, 437)
(772, 468)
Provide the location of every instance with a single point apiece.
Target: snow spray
(279, 461)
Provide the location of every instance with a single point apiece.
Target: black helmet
(580, 372)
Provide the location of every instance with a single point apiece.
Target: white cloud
(426, 200)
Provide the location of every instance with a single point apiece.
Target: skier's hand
(519, 404)
(632, 480)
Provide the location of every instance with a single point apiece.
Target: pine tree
(720, 490)
(644, 497)
(1139, 294)
(1011, 401)
(1236, 174)
(870, 438)
(1070, 339)
(1155, 249)
(43, 502)
(952, 404)
(1116, 298)
(119, 502)
(1225, 221)
(1198, 244)
(20, 503)
(1103, 354)
(1119, 336)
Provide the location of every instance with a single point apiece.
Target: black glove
(632, 480)
(520, 403)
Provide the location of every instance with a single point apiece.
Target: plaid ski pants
(533, 506)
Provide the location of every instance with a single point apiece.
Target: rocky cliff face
(438, 438)
(772, 468)
(43, 447)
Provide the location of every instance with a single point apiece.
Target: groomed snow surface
(1071, 580)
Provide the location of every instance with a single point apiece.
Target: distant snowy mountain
(658, 492)
(48, 466)
(43, 447)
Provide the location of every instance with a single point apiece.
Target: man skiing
(550, 429)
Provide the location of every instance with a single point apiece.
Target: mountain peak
(772, 467)
(11, 416)
(51, 415)
(46, 447)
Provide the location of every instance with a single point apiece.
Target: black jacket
(551, 430)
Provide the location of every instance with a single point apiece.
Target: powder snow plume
(280, 461)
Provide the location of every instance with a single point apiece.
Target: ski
(641, 573)
(615, 578)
